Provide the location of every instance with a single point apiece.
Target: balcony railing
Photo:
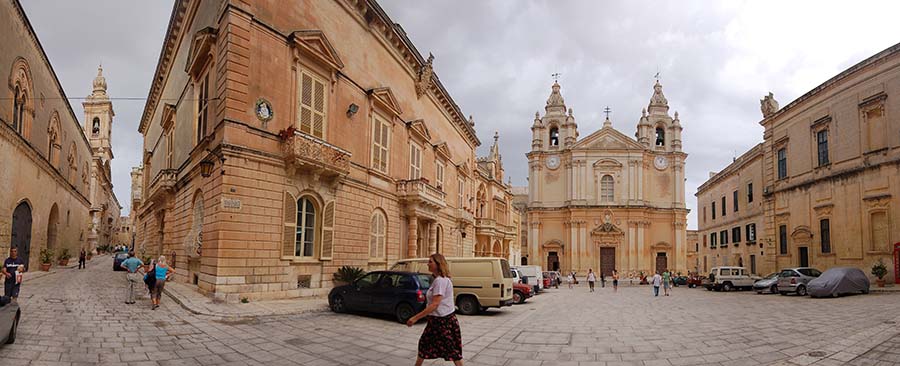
(465, 216)
(306, 153)
(492, 227)
(162, 184)
(418, 190)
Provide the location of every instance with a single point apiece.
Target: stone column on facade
(642, 254)
(640, 181)
(411, 244)
(432, 237)
(680, 261)
(628, 248)
(582, 227)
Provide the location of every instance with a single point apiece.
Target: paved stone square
(77, 317)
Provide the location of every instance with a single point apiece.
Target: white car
(728, 278)
(535, 277)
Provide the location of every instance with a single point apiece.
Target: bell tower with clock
(608, 200)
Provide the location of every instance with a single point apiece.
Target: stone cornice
(164, 63)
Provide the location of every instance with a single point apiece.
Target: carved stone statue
(424, 81)
(768, 105)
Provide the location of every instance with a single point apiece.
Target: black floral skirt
(441, 339)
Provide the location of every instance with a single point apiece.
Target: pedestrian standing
(602, 279)
(570, 278)
(132, 265)
(615, 276)
(162, 272)
(10, 271)
(591, 277)
(667, 278)
(82, 259)
(657, 279)
(442, 337)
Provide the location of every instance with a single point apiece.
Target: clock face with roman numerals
(660, 162)
(553, 161)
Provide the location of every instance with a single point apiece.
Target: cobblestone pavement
(77, 317)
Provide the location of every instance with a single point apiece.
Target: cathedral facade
(606, 201)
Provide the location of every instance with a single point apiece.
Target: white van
(535, 276)
(478, 282)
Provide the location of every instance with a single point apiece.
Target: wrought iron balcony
(309, 154)
(420, 192)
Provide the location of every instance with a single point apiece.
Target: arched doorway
(52, 228)
(497, 250)
(21, 231)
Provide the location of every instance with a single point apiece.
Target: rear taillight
(420, 297)
(793, 281)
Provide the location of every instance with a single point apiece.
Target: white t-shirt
(444, 287)
(591, 277)
(656, 280)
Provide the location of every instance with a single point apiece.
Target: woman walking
(442, 337)
(162, 273)
(570, 278)
(615, 276)
(591, 277)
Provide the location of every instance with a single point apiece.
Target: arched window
(660, 136)
(554, 136)
(95, 129)
(306, 227)
(377, 236)
(17, 106)
(607, 190)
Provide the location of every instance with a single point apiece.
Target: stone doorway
(661, 262)
(21, 231)
(804, 256)
(553, 261)
(607, 261)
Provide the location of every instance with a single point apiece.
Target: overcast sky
(716, 60)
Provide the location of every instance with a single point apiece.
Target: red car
(521, 292)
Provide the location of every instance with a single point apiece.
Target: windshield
(504, 267)
(771, 276)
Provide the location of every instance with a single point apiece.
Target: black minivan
(386, 292)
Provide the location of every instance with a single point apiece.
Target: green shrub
(348, 274)
(879, 269)
(64, 254)
(46, 255)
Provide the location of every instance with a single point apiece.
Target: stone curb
(198, 309)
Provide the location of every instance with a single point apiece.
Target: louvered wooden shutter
(318, 108)
(288, 243)
(328, 231)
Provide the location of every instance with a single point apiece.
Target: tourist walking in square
(667, 281)
(570, 278)
(615, 276)
(162, 272)
(10, 270)
(442, 337)
(656, 281)
(591, 277)
(602, 279)
(132, 265)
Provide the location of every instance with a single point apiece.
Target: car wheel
(865, 292)
(468, 305)
(337, 304)
(518, 297)
(773, 289)
(12, 331)
(726, 287)
(404, 312)
(801, 290)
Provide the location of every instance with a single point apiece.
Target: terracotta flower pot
(88, 257)
(63, 262)
(879, 282)
(45, 267)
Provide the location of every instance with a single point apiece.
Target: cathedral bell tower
(557, 130)
(98, 117)
(656, 130)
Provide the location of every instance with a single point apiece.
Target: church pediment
(314, 43)
(607, 138)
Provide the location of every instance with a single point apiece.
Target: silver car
(796, 280)
(9, 320)
(768, 283)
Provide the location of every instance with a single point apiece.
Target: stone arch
(660, 137)
(21, 88)
(53, 228)
(193, 244)
(378, 234)
(54, 141)
(497, 249)
(21, 230)
(482, 200)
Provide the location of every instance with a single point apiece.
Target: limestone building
(829, 167)
(496, 222)
(606, 201)
(285, 140)
(48, 160)
(730, 217)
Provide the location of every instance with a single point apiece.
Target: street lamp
(206, 166)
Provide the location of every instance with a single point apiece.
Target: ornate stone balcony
(464, 216)
(417, 193)
(486, 226)
(163, 185)
(305, 153)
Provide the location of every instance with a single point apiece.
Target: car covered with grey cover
(839, 281)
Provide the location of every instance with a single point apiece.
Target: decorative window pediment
(168, 116)
(419, 131)
(442, 151)
(314, 43)
(608, 164)
(201, 50)
(463, 169)
(384, 98)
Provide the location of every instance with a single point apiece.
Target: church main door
(553, 261)
(21, 231)
(607, 261)
(661, 262)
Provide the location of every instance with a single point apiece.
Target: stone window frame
(877, 204)
(724, 206)
(723, 238)
(610, 185)
(713, 209)
(736, 234)
(415, 160)
(315, 78)
(380, 124)
(749, 192)
(734, 198)
(819, 126)
(201, 108)
(781, 145)
(440, 174)
(378, 236)
(713, 244)
(21, 93)
(54, 141)
(868, 105)
(747, 231)
(825, 236)
(783, 240)
(323, 227)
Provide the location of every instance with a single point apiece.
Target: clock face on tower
(553, 161)
(660, 162)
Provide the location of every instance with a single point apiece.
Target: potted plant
(879, 270)
(64, 257)
(89, 254)
(347, 274)
(46, 258)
